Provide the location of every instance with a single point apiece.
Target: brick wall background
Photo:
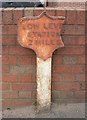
(19, 64)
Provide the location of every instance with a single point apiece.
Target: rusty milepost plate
(41, 34)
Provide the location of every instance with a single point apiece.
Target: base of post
(40, 109)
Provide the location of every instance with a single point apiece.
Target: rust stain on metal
(42, 34)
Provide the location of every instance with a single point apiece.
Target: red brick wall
(67, 4)
(19, 64)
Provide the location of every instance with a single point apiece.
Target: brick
(9, 29)
(85, 59)
(86, 40)
(71, 17)
(17, 15)
(12, 59)
(24, 87)
(0, 50)
(69, 60)
(7, 16)
(24, 60)
(63, 77)
(0, 41)
(74, 40)
(28, 12)
(37, 12)
(57, 59)
(70, 5)
(5, 87)
(9, 78)
(86, 86)
(5, 59)
(10, 103)
(0, 87)
(80, 94)
(69, 69)
(5, 68)
(25, 94)
(81, 59)
(0, 58)
(62, 94)
(22, 69)
(33, 59)
(50, 4)
(5, 50)
(71, 50)
(8, 40)
(26, 78)
(18, 50)
(54, 4)
(1, 103)
(0, 78)
(82, 85)
(60, 13)
(0, 16)
(66, 86)
(73, 30)
(80, 77)
(9, 59)
(0, 69)
(9, 95)
(0, 33)
(51, 12)
(80, 17)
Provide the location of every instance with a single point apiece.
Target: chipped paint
(43, 83)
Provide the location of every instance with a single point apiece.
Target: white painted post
(43, 84)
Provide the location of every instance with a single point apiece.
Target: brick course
(19, 64)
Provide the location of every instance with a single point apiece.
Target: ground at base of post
(73, 110)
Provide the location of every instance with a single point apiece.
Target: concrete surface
(57, 111)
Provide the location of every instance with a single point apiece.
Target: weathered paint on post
(43, 84)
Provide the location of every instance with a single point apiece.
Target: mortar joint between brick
(18, 94)
(12, 16)
(23, 13)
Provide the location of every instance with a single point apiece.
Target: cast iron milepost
(43, 35)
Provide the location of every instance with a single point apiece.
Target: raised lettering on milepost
(40, 31)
